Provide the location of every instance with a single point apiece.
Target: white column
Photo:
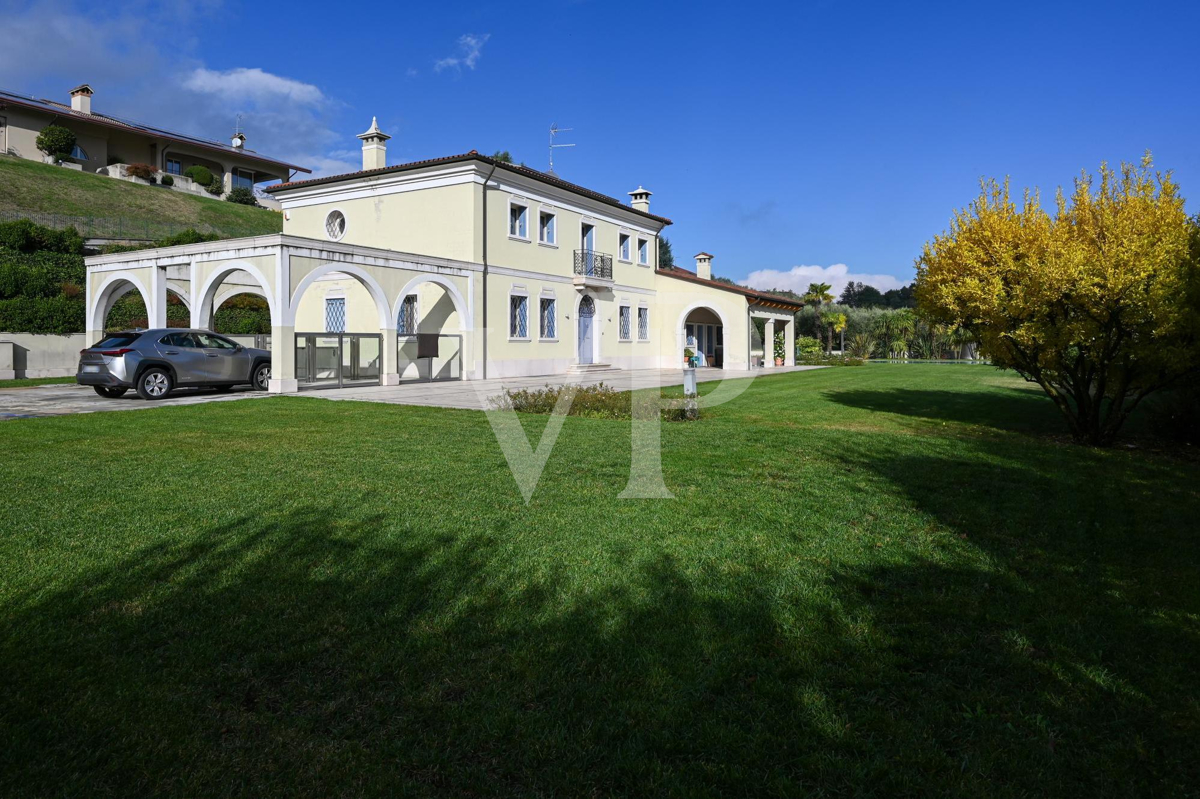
(283, 330)
(387, 357)
(156, 310)
(789, 343)
(769, 344)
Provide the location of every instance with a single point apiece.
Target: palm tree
(818, 294)
(835, 322)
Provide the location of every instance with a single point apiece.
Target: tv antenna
(237, 124)
(554, 131)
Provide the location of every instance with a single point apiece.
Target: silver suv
(154, 362)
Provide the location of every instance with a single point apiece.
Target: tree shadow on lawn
(307, 653)
(1024, 408)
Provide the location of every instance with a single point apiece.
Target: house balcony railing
(592, 266)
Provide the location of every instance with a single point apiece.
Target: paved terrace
(58, 400)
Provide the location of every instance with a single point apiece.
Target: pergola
(279, 268)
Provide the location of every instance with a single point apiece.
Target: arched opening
(587, 334)
(431, 327)
(122, 305)
(242, 313)
(340, 316)
(703, 332)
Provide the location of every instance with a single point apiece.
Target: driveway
(62, 399)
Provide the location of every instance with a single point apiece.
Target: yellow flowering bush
(1097, 302)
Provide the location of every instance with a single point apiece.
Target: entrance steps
(590, 368)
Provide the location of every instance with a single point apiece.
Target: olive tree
(1097, 302)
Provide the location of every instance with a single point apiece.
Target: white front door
(587, 314)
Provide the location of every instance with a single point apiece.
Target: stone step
(590, 368)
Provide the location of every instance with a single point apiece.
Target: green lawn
(883, 580)
(34, 187)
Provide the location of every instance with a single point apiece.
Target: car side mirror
(238, 348)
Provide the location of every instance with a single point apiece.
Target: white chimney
(640, 200)
(704, 265)
(374, 147)
(81, 99)
(239, 140)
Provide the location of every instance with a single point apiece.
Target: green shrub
(167, 180)
(591, 402)
(24, 236)
(807, 347)
(42, 315)
(242, 196)
(56, 140)
(200, 174)
(140, 170)
(217, 187)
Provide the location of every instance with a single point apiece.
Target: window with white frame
(643, 323)
(623, 316)
(548, 325)
(335, 225)
(335, 314)
(643, 251)
(623, 248)
(547, 227)
(518, 221)
(406, 325)
(518, 316)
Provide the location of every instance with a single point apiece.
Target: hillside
(151, 212)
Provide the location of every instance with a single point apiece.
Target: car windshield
(117, 340)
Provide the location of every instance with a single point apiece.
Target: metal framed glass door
(334, 360)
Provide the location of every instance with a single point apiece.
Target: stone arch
(204, 308)
(386, 322)
(229, 293)
(466, 324)
(115, 286)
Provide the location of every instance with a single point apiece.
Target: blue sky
(793, 140)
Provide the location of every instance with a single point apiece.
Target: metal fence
(101, 227)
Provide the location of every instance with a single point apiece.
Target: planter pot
(779, 361)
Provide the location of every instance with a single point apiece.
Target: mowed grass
(886, 580)
(41, 188)
(28, 382)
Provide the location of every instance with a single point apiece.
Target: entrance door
(587, 314)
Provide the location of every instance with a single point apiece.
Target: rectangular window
(518, 316)
(643, 252)
(407, 324)
(518, 221)
(549, 327)
(243, 179)
(623, 251)
(174, 167)
(335, 314)
(623, 316)
(546, 228)
(643, 324)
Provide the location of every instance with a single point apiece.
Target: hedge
(43, 315)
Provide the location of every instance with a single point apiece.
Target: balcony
(593, 269)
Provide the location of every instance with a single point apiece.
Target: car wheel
(154, 384)
(262, 377)
(110, 393)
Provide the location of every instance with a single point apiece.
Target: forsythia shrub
(1098, 303)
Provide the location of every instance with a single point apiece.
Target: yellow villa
(459, 267)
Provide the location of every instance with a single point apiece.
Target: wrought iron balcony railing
(589, 263)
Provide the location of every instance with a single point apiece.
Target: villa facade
(460, 267)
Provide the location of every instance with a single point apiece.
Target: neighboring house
(459, 267)
(104, 141)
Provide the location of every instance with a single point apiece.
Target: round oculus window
(335, 225)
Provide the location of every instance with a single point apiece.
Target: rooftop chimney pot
(374, 146)
(239, 140)
(640, 199)
(704, 265)
(81, 99)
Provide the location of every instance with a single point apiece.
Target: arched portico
(708, 324)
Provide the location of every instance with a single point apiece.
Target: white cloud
(243, 83)
(470, 48)
(798, 277)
